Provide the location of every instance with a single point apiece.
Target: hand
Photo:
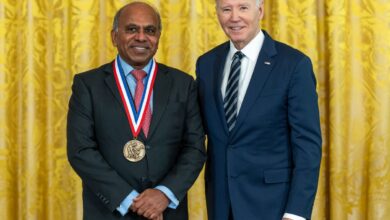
(150, 203)
(160, 217)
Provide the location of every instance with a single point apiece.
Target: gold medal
(134, 150)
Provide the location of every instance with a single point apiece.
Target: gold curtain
(43, 43)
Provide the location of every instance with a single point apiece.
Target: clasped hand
(151, 204)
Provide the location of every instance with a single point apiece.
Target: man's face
(137, 35)
(240, 20)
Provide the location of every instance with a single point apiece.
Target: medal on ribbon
(134, 150)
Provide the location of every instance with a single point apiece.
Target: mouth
(140, 49)
(236, 28)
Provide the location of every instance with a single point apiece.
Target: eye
(244, 8)
(131, 29)
(225, 10)
(150, 31)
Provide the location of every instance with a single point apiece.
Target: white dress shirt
(248, 62)
(123, 208)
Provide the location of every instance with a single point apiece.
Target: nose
(234, 15)
(140, 35)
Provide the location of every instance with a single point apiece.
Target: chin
(237, 40)
(138, 58)
(236, 37)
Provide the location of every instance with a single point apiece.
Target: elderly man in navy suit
(259, 105)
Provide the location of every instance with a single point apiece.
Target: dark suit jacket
(98, 129)
(269, 164)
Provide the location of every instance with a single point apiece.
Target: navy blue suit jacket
(269, 164)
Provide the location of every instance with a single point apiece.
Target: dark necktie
(139, 75)
(231, 95)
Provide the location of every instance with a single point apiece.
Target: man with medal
(135, 134)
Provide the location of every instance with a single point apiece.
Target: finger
(140, 196)
(141, 211)
(133, 207)
(137, 205)
(146, 211)
(154, 214)
(150, 215)
(144, 206)
(157, 217)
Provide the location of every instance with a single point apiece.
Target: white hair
(258, 2)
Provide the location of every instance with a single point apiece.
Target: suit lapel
(218, 76)
(110, 82)
(161, 90)
(264, 65)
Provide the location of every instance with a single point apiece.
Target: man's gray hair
(258, 2)
(115, 23)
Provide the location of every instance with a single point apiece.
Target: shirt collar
(127, 68)
(252, 49)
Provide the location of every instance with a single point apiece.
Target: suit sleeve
(83, 150)
(305, 138)
(192, 155)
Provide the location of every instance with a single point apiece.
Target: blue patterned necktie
(231, 95)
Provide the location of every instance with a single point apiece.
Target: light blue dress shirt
(132, 82)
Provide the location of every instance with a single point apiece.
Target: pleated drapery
(43, 43)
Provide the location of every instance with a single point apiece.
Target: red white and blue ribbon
(135, 118)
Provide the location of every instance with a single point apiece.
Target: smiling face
(240, 19)
(137, 34)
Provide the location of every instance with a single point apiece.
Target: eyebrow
(140, 26)
(229, 5)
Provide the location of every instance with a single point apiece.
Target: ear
(114, 37)
(261, 10)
